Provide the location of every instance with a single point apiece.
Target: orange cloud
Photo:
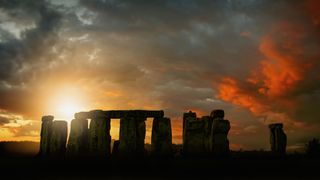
(230, 91)
(271, 88)
(283, 69)
(313, 7)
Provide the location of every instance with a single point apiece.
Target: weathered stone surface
(78, 138)
(217, 113)
(278, 139)
(207, 123)
(117, 114)
(128, 136)
(81, 115)
(58, 138)
(115, 148)
(193, 135)
(275, 125)
(187, 117)
(219, 137)
(132, 134)
(134, 113)
(161, 138)
(45, 136)
(141, 134)
(99, 135)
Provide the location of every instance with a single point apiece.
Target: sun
(67, 109)
(65, 103)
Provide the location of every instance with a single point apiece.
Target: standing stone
(207, 121)
(132, 134)
(128, 136)
(217, 113)
(115, 148)
(187, 117)
(99, 134)
(58, 138)
(193, 135)
(45, 136)
(141, 134)
(219, 133)
(78, 138)
(161, 138)
(278, 139)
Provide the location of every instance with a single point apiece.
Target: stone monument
(161, 139)
(219, 133)
(57, 147)
(45, 136)
(278, 139)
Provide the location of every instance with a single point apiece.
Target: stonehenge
(193, 134)
(219, 132)
(205, 135)
(161, 139)
(57, 147)
(90, 135)
(132, 134)
(99, 134)
(53, 137)
(78, 137)
(45, 136)
(115, 148)
(93, 139)
(278, 139)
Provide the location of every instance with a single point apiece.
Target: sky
(259, 60)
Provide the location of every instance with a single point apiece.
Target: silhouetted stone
(58, 138)
(278, 139)
(132, 134)
(128, 136)
(115, 148)
(161, 138)
(193, 135)
(217, 113)
(118, 114)
(141, 134)
(219, 138)
(133, 113)
(207, 128)
(45, 136)
(189, 116)
(78, 138)
(99, 134)
(82, 115)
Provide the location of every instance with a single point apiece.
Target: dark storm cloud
(181, 42)
(192, 45)
(17, 53)
(22, 57)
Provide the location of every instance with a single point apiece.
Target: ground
(239, 165)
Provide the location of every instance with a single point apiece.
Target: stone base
(161, 138)
(58, 138)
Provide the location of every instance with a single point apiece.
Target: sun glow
(65, 103)
(67, 109)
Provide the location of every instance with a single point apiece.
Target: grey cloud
(16, 53)
(4, 120)
(21, 59)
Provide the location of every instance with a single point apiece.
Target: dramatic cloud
(258, 60)
(287, 76)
